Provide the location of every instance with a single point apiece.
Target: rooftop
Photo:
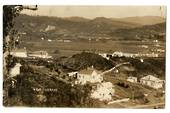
(19, 50)
(151, 77)
(89, 71)
(38, 52)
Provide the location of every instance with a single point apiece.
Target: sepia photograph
(82, 56)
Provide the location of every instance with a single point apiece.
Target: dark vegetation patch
(65, 96)
(84, 60)
(153, 66)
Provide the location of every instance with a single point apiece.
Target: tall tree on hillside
(9, 14)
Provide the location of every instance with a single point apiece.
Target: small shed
(15, 70)
(132, 79)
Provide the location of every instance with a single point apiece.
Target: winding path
(118, 65)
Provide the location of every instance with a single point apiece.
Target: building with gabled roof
(152, 81)
(39, 54)
(19, 53)
(103, 91)
(88, 75)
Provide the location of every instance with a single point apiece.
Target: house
(15, 70)
(72, 73)
(152, 81)
(19, 53)
(104, 91)
(39, 54)
(132, 79)
(143, 46)
(88, 75)
(49, 28)
(104, 55)
(49, 40)
(67, 41)
(141, 60)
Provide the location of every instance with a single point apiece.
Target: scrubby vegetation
(153, 66)
(84, 60)
(38, 89)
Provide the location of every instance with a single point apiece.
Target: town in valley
(80, 62)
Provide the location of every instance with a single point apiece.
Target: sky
(98, 11)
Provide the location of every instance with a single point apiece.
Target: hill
(154, 32)
(78, 27)
(77, 19)
(84, 60)
(144, 20)
(70, 25)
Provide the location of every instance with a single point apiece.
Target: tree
(9, 14)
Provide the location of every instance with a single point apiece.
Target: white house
(72, 73)
(49, 28)
(67, 41)
(49, 40)
(39, 54)
(104, 91)
(15, 70)
(152, 81)
(120, 54)
(132, 79)
(19, 53)
(104, 55)
(88, 75)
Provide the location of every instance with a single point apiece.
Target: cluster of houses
(102, 91)
(22, 53)
(132, 55)
(105, 90)
(39, 54)
(148, 80)
(58, 40)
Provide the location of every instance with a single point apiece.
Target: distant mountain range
(144, 20)
(77, 19)
(119, 27)
(156, 32)
(138, 20)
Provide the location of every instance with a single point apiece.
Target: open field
(109, 46)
